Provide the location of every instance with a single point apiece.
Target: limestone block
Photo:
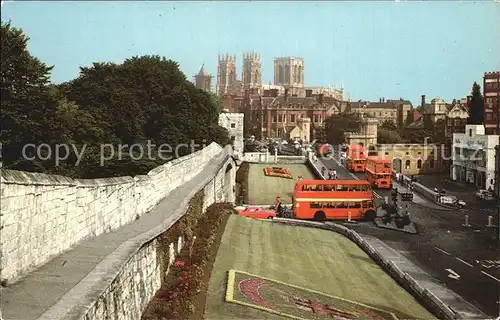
(180, 244)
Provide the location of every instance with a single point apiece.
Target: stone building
(412, 159)
(289, 73)
(233, 122)
(251, 77)
(203, 80)
(474, 157)
(491, 94)
(227, 82)
(396, 111)
(442, 118)
(271, 115)
(367, 134)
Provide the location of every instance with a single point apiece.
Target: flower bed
(278, 172)
(183, 294)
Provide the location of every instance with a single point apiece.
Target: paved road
(443, 245)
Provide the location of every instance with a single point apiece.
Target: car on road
(450, 201)
(485, 195)
(258, 212)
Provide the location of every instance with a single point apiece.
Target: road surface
(461, 258)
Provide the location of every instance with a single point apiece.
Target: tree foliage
(28, 108)
(388, 125)
(143, 99)
(476, 106)
(337, 125)
(389, 136)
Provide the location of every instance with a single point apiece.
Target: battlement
(226, 57)
(251, 56)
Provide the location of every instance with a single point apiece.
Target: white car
(485, 195)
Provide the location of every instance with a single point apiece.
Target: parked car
(258, 213)
(485, 195)
(450, 201)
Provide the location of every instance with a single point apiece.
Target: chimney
(286, 95)
(383, 99)
(379, 99)
(309, 93)
(422, 103)
(320, 98)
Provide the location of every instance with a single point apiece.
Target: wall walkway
(113, 274)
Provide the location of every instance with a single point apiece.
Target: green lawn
(310, 258)
(263, 189)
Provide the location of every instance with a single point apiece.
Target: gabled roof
(368, 104)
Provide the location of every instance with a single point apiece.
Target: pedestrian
(331, 174)
(397, 176)
(334, 174)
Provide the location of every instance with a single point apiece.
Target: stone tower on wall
(226, 74)
(203, 80)
(252, 75)
(289, 72)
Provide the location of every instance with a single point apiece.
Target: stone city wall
(44, 215)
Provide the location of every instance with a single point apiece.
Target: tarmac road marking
(470, 265)
(489, 275)
(452, 274)
(447, 253)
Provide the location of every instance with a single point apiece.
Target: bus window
(387, 165)
(362, 187)
(354, 205)
(328, 187)
(315, 205)
(342, 205)
(318, 188)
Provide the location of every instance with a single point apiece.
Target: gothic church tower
(251, 75)
(226, 74)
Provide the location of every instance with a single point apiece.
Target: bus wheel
(320, 216)
(370, 215)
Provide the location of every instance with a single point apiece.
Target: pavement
(68, 284)
(442, 247)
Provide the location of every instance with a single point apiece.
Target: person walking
(330, 174)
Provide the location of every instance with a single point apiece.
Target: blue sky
(375, 49)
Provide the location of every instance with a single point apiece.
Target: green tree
(476, 106)
(388, 136)
(337, 125)
(389, 125)
(28, 108)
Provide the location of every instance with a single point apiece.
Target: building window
(387, 153)
(419, 164)
(292, 118)
(488, 116)
(431, 164)
(233, 125)
(275, 119)
(233, 138)
(407, 164)
(470, 132)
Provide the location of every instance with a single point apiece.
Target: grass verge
(308, 258)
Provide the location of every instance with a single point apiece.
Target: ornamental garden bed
(278, 172)
(295, 302)
(183, 291)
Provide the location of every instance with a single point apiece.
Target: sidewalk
(421, 278)
(68, 284)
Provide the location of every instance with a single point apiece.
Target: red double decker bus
(378, 172)
(334, 200)
(356, 158)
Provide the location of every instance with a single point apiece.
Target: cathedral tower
(203, 80)
(251, 75)
(226, 74)
(289, 72)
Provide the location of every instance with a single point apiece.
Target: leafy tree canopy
(337, 125)
(143, 98)
(385, 135)
(476, 106)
